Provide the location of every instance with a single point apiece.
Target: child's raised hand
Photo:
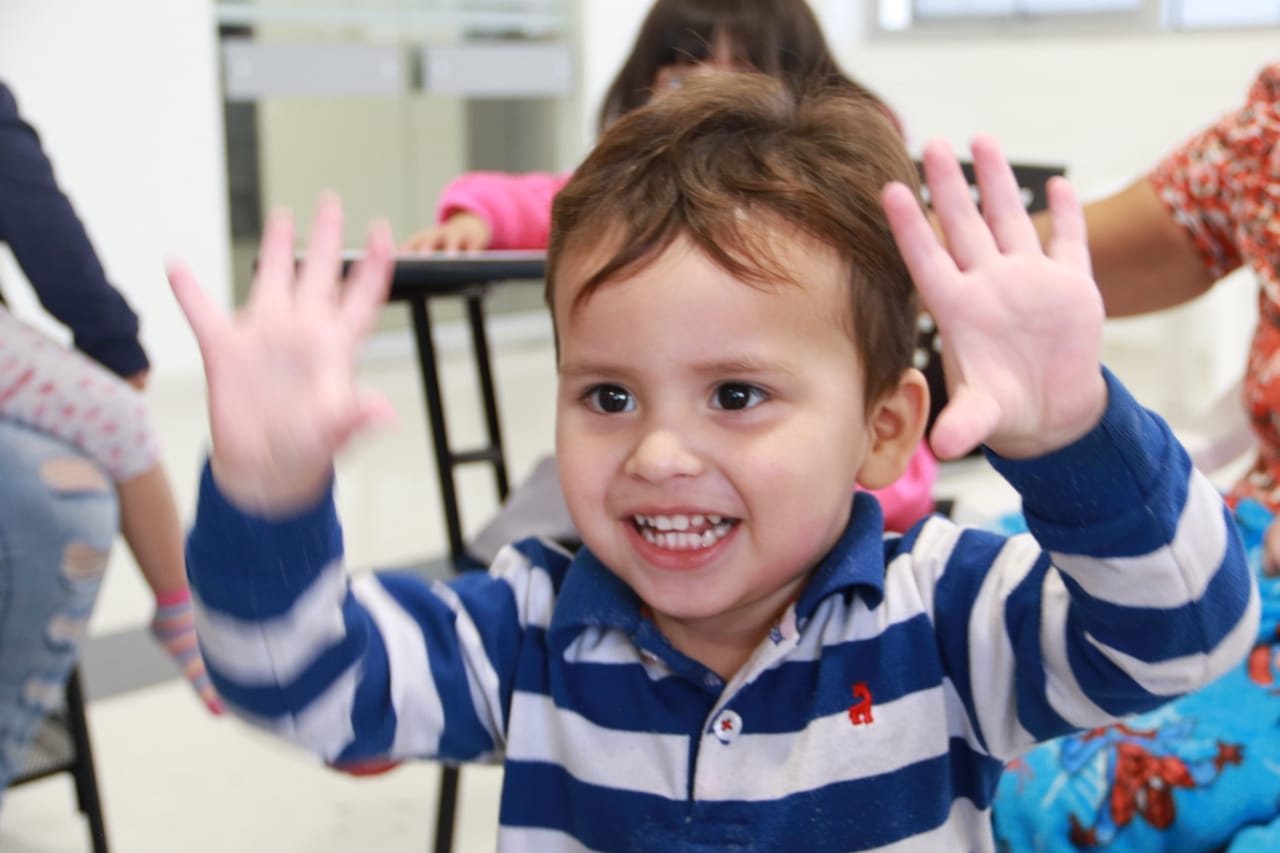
(282, 392)
(1021, 326)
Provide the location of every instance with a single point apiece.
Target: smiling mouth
(683, 532)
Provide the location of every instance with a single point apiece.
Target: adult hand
(1271, 550)
(461, 232)
(283, 398)
(1022, 325)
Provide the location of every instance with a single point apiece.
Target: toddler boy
(738, 658)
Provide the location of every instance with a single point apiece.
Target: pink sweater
(517, 209)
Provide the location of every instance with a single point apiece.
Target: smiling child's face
(710, 433)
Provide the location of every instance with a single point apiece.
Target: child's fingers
(457, 239)
(451, 242)
(931, 268)
(273, 280)
(375, 410)
(1068, 242)
(321, 269)
(369, 280)
(423, 241)
(1002, 206)
(203, 315)
(467, 241)
(371, 408)
(965, 422)
(968, 237)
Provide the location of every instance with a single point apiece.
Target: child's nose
(662, 454)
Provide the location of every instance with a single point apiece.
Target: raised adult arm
(1143, 260)
(1170, 235)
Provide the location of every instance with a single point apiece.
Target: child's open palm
(1021, 325)
(282, 392)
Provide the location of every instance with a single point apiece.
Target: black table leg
(447, 461)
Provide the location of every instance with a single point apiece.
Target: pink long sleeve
(517, 208)
(910, 497)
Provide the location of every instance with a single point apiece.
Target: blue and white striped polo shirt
(876, 716)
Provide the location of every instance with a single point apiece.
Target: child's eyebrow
(745, 365)
(592, 369)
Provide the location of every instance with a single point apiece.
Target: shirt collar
(855, 562)
(593, 596)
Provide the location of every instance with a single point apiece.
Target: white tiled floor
(174, 778)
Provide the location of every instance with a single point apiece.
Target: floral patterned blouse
(1223, 187)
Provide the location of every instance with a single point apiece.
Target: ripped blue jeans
(58, 518)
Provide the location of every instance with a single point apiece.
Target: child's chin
(683, 604)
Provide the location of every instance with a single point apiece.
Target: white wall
(604, 31)
(1105, 106)
(125, 97)
(385, 157)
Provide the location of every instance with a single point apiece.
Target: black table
(418, 280)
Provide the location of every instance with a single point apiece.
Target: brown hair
(781, 38)
(733, 160)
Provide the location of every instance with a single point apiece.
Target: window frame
(1148, 19)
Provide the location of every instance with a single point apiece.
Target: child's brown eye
(610, 399)
(738, 395)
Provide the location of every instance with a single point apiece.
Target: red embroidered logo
(860, 710)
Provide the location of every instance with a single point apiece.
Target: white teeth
(676, 522)
(672, 532)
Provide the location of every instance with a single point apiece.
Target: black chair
(1033, 180)
(62, 745)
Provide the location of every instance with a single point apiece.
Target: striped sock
(174, 627)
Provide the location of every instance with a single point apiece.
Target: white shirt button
(728, 726)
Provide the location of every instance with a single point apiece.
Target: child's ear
(895, 426)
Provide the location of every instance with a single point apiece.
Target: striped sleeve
(1131, 589)
(385, 665)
